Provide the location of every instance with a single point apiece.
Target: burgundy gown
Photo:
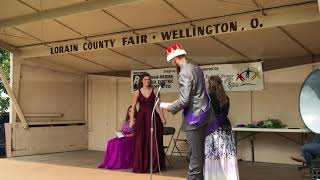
(141, 162)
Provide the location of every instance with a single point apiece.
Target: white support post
(15, 71)
(13, 99)
(86, 87)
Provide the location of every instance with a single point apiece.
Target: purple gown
(119, 153)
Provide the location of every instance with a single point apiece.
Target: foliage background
(5, 64)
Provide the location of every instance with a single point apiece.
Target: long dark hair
(143, 75)
(216, 87)
(128, 114)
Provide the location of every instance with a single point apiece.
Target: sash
(193, 119)
(217, 123)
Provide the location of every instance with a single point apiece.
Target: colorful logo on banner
(248, 76)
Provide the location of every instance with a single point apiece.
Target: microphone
(162, 83)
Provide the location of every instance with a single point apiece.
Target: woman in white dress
(220, 151)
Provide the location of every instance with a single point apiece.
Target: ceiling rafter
(284, 31)
(180, 23)
(59, 22)
(78, 8)
(133, 31)
(212, 37)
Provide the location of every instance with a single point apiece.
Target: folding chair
(168, 131)
(176, 149)
(315, 168)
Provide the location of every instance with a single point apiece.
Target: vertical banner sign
(235, 77)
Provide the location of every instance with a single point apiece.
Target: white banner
(200, 28)
(235, 77)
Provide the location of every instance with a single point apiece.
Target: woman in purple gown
(119, 153)
(145, 97)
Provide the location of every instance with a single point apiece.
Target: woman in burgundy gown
(145, 97)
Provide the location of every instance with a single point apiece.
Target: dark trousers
(196, 139)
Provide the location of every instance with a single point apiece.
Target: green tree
(5, 64)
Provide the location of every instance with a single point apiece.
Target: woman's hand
(164, 122)
(128, 135)
(134, 103)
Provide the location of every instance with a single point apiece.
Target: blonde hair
(216, 87)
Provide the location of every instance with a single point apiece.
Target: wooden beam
(117, 73)
(43, 115)
(13, 99)
(247, 21)
(54, 122)
(9, 47)
(273, 64)
(79, 8)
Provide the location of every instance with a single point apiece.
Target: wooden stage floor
(82, 165)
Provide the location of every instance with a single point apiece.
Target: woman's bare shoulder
(155, 89)
(136, 93)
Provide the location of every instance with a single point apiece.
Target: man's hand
(167, 109)
(165, 106)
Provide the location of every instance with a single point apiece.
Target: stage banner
(235, 77)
